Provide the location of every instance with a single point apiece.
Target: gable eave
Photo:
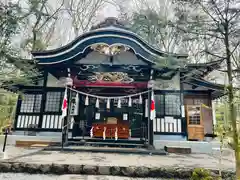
(107, 32)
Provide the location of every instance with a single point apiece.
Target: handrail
(67, 124)
(63, 129)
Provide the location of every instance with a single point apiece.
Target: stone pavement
(37, 156)
(20, 176)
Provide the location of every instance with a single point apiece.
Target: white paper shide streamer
(116, 134)
(104, 133)
(91, 132)
(110, 98)
(86, 101)
(97, 103)
(119, 103)
(108, 103)
(140, 99)
(130, 102)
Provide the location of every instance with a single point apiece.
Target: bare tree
(83, 14)
(41, 24)
(153, 20)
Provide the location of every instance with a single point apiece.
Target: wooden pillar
(18, 108)
(183, 115)
(150, 121)
(67, 119)
(44, 97)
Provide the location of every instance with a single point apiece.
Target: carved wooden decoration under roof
(111, 77)
(109, 50)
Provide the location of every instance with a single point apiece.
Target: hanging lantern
(130, 102)
(119, 103)
(97, 103)
(86, 101)
(140, 99)
(108, 103)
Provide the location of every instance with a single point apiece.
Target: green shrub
(201, 174)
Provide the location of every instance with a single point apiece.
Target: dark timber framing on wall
(175, 124)
(44, 119)
(45, 78)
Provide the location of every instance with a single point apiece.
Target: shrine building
(111, 73)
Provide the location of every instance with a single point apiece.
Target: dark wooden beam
(44, 97)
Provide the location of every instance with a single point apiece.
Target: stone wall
(181, 173)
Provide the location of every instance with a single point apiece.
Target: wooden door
(195, 123)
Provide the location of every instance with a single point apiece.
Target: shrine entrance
(119, 115)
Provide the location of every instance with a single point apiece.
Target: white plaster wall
(52, 81)
(169, 138)
(40, 136)
(189, 87)
(173, 84)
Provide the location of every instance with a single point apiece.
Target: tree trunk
(232, 112)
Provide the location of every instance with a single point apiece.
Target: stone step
(110, 144)
(115, 150)
(180, 150)
(133, 141)
(33, 143)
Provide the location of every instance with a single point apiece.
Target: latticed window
(194, 116)
(53, 102)
(159, 103)
(172, 104)
(31, 103)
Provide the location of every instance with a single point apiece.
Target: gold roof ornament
(109, 50)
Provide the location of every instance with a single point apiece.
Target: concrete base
(196, 146)
(11, 139)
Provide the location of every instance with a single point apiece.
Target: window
(159, 103)
(53, 102)
(172, 104)
(168, 104)
(31, 103)
(194, 115)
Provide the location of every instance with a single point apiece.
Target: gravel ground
(10, 176)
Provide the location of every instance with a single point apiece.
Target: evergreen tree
(14, 69)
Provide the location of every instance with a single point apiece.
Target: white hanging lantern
(140, 99)
(97, 103)
(119, 103)
(86, 101)
(130, 102)
(108, 103)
